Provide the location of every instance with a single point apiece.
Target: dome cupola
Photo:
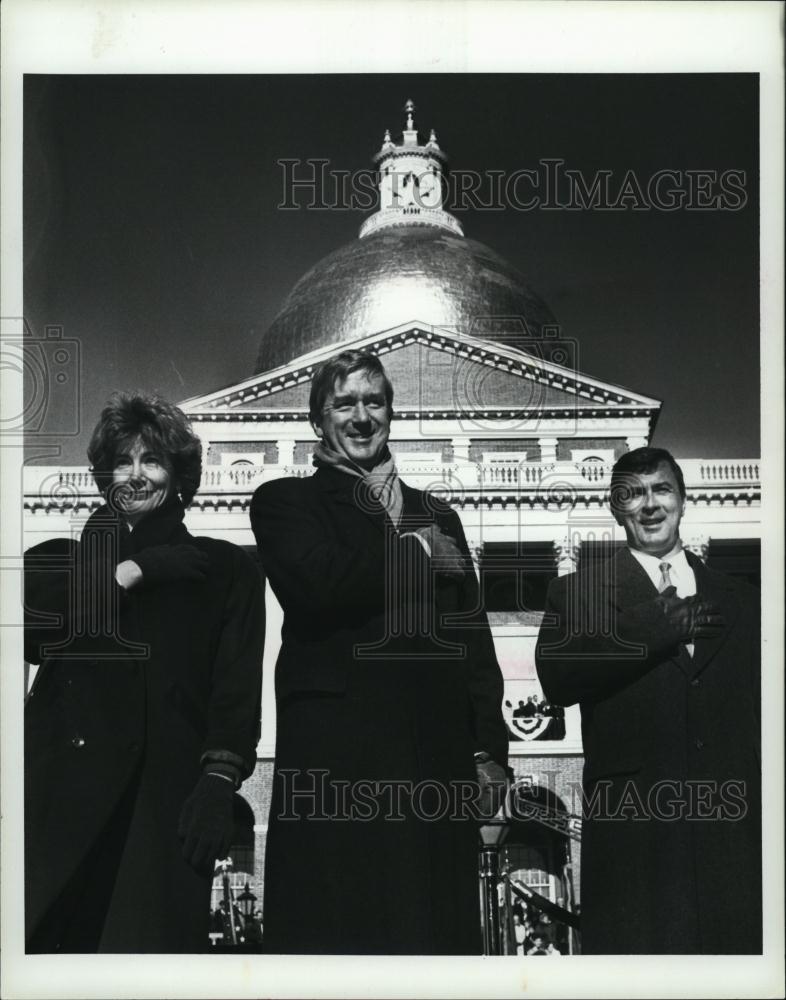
(411, 183)
(411, 264)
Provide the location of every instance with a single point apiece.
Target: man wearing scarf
(390, 736)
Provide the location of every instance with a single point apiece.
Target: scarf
(382, 481)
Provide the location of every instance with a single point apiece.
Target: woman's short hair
(164, 429)
(338, 368)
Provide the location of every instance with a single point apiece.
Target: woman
(144, 716)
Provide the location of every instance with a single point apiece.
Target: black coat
(373, 684)
(126, 714)
(661, 729)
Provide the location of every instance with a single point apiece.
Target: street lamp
(492, 835)
(224, 867)
(246, 901)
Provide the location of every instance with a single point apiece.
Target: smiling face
(141, 480)
(651, 511)
(356, 418)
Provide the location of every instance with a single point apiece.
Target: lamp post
(492, 835)
(246, 901)
(224, 867)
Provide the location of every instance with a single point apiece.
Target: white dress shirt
(680, 572)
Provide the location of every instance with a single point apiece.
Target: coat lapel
(717, 589)
(346, 490)
(629, 580)
(633, 586)
(415, 513)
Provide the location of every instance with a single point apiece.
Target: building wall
(256, 791)
(265, 451)
(562, 776)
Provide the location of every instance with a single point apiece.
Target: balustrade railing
(56, 486)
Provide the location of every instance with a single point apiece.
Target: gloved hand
(691, 617)
(168, 563)
(493, 782)
(206, 822)
(446, 557)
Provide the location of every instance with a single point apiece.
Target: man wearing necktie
(663, 655)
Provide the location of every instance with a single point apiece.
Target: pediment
(434, 370)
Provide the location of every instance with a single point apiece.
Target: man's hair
(162, 427)
(338, 368)
(635, 463)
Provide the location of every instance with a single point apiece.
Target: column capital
(636, 441)
(475, 550)
(566, 551)
(699, 545)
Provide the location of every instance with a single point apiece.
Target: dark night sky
(152, 233)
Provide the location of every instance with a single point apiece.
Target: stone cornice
(225, 414)
(503, 358)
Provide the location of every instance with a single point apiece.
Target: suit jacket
(671, 852)
(175, 671)
(385, 673)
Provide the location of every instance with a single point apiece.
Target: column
(460, 449)
(699, 545)
(636, 442)
(548, 450)
(566, 551)
(286, 451)
(476, 551)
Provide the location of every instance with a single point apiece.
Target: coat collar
(350, 491)
(629, 578)
(160, 526)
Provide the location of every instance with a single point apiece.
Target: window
(531, 865)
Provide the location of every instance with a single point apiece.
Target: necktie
(666, 582)
(665, 578)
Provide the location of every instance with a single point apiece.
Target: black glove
(493, 782)
(446, 557)
(168, 563)
(206, 823)
(691, 617)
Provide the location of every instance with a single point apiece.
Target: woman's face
(141, 480)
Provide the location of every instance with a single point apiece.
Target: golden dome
(400, 274)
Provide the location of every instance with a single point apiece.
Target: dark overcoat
(132, 691)
(376, 689)
(671, 843)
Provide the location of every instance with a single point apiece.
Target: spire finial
(409, 107)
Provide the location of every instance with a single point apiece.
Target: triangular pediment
(436, 371)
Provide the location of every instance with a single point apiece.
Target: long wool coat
(671, 844)
(376, 692)
(128, 712)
